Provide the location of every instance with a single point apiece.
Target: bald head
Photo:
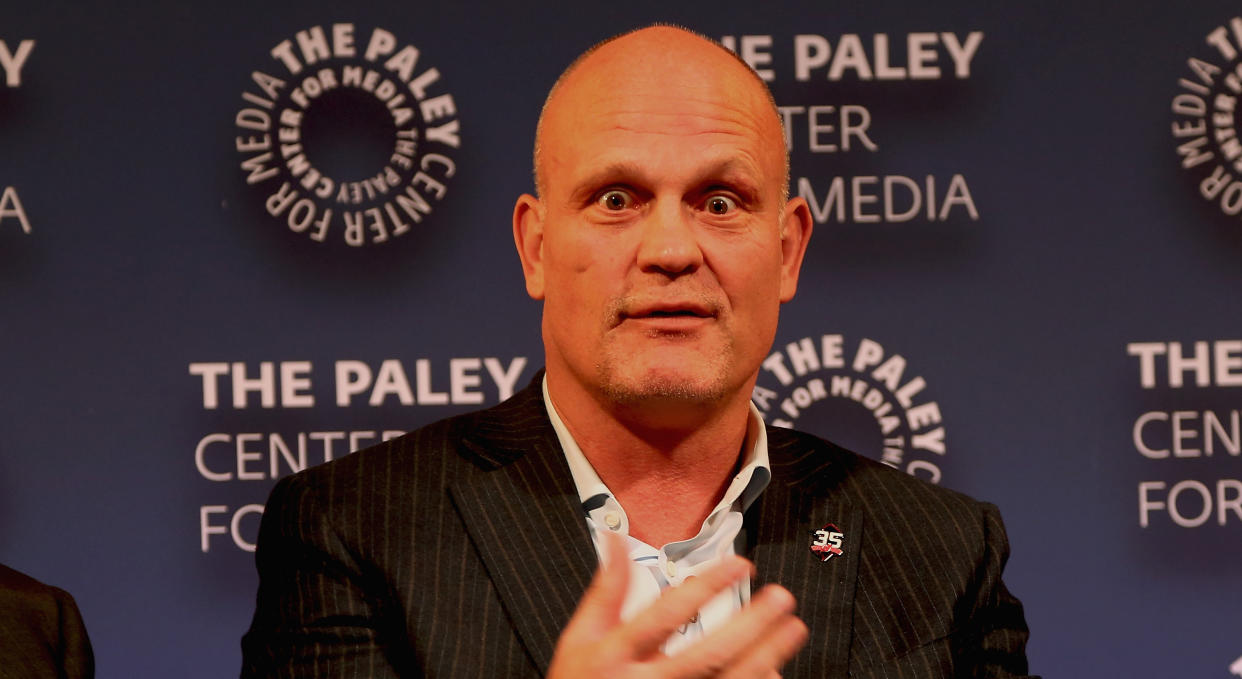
(650, 61)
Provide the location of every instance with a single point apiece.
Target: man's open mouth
(672, 313)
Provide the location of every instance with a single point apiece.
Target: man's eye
(720, 205)
(615, 200)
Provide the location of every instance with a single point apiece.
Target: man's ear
(796, 227)
(528, 237)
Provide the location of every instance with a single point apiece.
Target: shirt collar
(748, 483)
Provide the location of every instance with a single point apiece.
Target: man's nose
(670, 242)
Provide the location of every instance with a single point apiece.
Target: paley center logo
(1205, 119)
(348, 134)
(857, 394)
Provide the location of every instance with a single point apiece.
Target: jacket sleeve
(41, 631)
(991, 641)
(77, 657)
(317, 614)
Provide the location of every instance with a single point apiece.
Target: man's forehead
(597, 170)
(661, 142)
(713, 119)
(659, 80)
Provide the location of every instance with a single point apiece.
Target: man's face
(656, 245)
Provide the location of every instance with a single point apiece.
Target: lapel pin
(829, 542)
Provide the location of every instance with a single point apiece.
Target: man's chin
(672, 375)
(664, 387)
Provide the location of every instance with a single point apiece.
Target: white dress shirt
(653, 568)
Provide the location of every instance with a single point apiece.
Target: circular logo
(859, 396)
(349, 135)
(1205, 118)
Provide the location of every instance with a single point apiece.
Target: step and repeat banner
(240, 239)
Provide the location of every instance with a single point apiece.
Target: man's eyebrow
(734, 172)
(618, 172)
(612, 173)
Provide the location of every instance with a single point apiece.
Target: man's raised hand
(596, 644)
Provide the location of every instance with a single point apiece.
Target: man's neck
(668, 472)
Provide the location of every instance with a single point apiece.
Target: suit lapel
(803, 497)
(525, 519)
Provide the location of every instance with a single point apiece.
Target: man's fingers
(754, 643)
(600, 608)
(677, 605)
(765, 658)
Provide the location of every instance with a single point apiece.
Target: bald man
(661, 243)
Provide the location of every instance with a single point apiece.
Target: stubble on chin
(624, 382)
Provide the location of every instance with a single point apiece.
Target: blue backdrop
(1023, 282)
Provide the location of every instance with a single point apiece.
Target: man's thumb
(600, 608)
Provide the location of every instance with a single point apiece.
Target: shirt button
(613, 520)
(671, 569)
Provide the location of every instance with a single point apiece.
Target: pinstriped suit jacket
(460, 550)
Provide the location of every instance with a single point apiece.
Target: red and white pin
(829, 542)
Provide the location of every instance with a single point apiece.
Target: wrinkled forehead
(660, 80)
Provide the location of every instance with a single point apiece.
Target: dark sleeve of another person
(41, 631)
